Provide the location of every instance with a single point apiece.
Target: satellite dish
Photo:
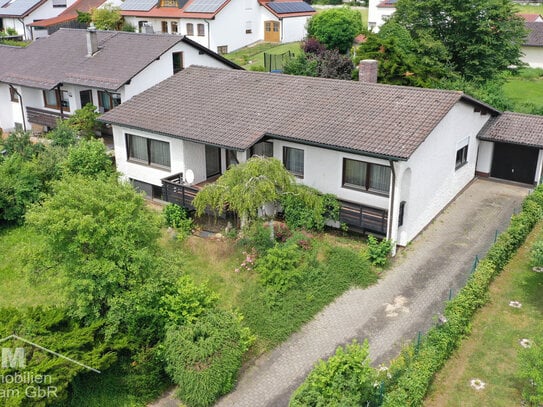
(189, 176)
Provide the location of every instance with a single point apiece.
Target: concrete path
(406, 300)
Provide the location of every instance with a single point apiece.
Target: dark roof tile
(516, 128)
(234, 109)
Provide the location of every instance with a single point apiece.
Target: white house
(222, 25)
(379, 11)
(532, 49)
(56, 75)
(18, 14)
(395, 156)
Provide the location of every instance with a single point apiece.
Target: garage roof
(515, 128)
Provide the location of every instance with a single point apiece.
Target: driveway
(406, 300)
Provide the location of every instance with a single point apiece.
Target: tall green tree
(107, 17)
(100, 236)
(404, 60)
(336, 28)
(482, 37)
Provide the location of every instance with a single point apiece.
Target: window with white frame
(293, 160)
(148, 151)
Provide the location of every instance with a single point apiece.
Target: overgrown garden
(146, 305)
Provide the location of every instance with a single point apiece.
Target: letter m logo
(13, 358)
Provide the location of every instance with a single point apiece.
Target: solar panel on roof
(18, 7)
(204, 6)
(290, 7)
(138, 5)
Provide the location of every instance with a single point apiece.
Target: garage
(514, 162)
(511, 148)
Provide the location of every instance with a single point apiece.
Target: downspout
(391, 208)
(22, 105)
(59, 95)
(22, 21)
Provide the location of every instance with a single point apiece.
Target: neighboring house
(511, 148)
(379, 11)
(395, 156)
(56, 75)
(221, 25)
(18, 14)
(66, 19)
(533, 45)
(531, 18)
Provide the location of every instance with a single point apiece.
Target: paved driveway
(406, 300)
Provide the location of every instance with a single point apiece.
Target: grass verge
(490, 352)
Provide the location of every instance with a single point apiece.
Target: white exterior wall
(195, 160)
(140, 172)
(323, 170)
(228, 27)
(378, 15)
(484, 157)
(533, 56)
(434, 181)
(539, 168)
(6, 110)
(293, 28)
(16, 24)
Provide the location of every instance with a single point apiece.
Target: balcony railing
(174, 190)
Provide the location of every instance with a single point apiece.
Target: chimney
(92, 41)
(367, 71)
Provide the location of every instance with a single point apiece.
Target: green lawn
(529, 9)
(253, 56)
(490, 353)
(20, 287)
(526, 90)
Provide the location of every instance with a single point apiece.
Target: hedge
(441, 341)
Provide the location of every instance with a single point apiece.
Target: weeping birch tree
(245, 188)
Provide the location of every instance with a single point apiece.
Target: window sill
(366, 191)
(145, 164)
(460, 166)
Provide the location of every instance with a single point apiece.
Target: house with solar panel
(18, 14)
(56, 75)
(395, 156)
(221, 25)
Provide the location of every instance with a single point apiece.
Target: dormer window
(169, 3)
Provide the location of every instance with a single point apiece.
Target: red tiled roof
(515, 128)
(530, 18)
(70, 13)
(237, 108)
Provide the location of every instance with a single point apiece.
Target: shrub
(145, 375)
(350, 266)
(531, 373)
(204, 357)
(89, 158)
(177, 217)
(257, 237)
(306, 208)
(187, 301)
(63, 135)
(279, 269)
(537, 254)
(19, 142)
(345, 379)
(378, 251)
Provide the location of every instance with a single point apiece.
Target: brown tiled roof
(535, 34)
(516, 128)
(62, 58)
(529, 17)
(234, 109)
